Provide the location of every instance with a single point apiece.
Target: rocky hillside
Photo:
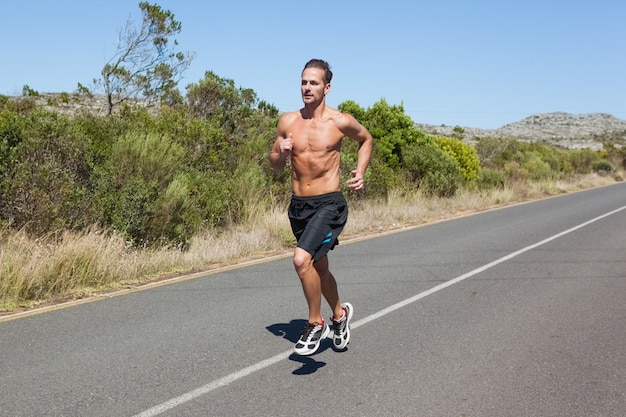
(73, 103)
(572, 131)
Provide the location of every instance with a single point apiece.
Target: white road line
(205, 389)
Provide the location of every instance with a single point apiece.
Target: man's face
(313, 88)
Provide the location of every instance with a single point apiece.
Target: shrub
(515, 172)
(171, 222)
(213, 197)
(582, 160)
(489, 148)
(616, 155)
(11, 133)
(538, 169)
(491, 178)
(29, 92)
(140, 168)
(391, 129)
(44, 172)
(602, 166)
(381, 179)
(464, 155)
(536, 161)
(433, 170)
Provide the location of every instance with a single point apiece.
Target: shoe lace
(339, 325)
(309, 328)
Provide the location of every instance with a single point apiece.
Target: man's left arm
(354, 130)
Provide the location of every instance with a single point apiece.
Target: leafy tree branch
(147, 64)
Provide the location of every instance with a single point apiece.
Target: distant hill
(572, 131)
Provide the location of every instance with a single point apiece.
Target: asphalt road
(513, 312)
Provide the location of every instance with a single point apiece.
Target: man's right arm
(282, 146)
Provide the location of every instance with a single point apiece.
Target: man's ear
(326, 88)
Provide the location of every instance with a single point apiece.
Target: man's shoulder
(290, 117)
(340, 118)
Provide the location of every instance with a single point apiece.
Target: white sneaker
(311, 337)
(341, 337)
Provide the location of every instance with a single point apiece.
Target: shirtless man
(311, 137)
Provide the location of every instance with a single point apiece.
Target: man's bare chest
(316, 136)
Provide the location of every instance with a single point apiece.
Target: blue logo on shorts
(328, 236)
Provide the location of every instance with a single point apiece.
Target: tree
(146, 65)
(391, 128)
(237, 118)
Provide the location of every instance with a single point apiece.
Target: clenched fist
(286, 145)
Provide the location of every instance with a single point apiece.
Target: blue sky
(469, 63)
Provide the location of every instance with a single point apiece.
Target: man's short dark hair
(321, 64)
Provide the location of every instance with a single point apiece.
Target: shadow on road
(309, 365)
(291, 331)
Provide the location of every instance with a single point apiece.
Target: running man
(311, 138)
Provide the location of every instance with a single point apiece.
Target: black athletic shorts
(317, 221)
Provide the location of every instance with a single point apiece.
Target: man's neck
(314, 111)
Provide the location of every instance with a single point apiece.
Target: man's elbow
(276, 163)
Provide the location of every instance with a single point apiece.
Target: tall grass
(68, 265)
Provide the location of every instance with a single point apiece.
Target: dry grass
(71, 265)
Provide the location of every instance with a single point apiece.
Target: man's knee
(302, 261)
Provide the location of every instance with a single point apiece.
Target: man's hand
(286, 145)
(356, 182)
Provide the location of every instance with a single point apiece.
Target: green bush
(582, 160)
(538, 169)
(213, 198)
(491, 179)
(172, 222)
(11, 133)
(391, 129)
(515, 172)
(463, 153)
(616, 155)
(435, 172)
(139, 170)
(44, 171)
(128, 208)
(381, 179)
(602, 166)
(536, 161)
